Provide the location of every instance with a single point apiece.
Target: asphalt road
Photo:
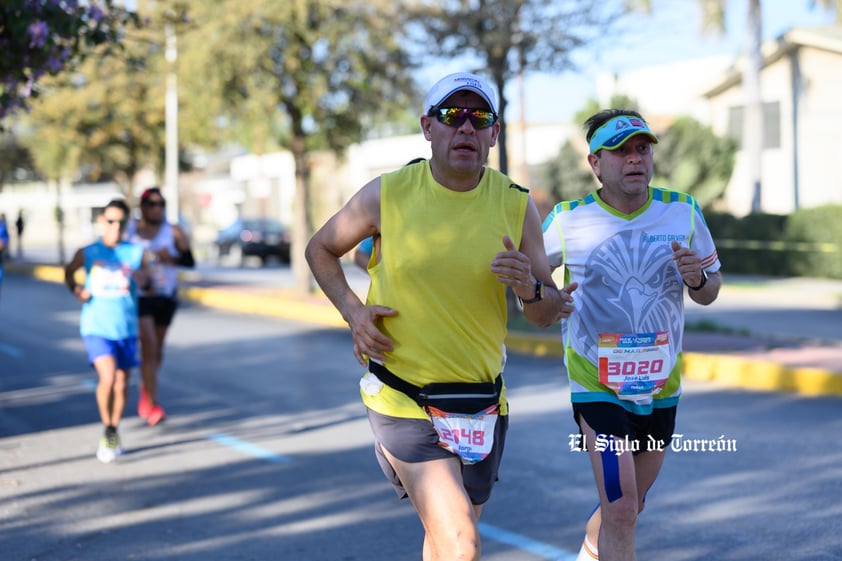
(267, 456)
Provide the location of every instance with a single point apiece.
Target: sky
(671, 33)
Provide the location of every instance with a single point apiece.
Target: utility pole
(171, 118)
(753, 111)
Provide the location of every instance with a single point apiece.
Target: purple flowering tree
(41, 37)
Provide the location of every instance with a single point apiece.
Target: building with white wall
(800, 83)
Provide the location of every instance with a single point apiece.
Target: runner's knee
(457, 545)
(621, 513)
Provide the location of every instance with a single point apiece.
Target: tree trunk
(59, 216)
(302, 224)
(502, 149)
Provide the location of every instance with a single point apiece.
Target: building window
(771, 124)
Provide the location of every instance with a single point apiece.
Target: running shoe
(156, 415)
(143, 405)
(109, 447)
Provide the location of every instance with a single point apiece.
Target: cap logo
(460, 81)
(470, 82)
(616, 131)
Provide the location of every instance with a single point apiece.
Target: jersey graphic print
(633, 288)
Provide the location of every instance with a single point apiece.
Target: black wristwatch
(701, 284)
(539, 293)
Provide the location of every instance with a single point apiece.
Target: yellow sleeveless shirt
(436, 247)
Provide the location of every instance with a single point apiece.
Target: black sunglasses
(112, 221)
(154, 203)
(456, 116)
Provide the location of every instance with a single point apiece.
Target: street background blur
(188, 107)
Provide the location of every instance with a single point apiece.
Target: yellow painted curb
(263, 304)
(535, 344)
(48, 273)
(761, 375)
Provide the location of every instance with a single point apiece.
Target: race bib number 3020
(634, 364)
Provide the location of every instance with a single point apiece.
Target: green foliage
(807, 242)
(569, 177)
(14, 157)
(304, 75)
(692, 159)
(821, 228)
(300, 75)
(107, 118)
(45, 37)
(745, 244)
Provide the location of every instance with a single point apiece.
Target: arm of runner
(522, 268)
(79, 291)
(143, 276)
(690, 268)
(182, 244)
(359, 218)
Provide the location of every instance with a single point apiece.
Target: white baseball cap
(459, 81)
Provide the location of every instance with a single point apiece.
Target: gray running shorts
(415, 440)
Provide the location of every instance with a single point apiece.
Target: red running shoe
(143, 405)
(156, 415)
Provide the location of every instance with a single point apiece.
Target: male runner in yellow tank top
(451, 234)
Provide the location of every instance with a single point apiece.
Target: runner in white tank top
(167, 248)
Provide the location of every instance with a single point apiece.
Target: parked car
(258, 237)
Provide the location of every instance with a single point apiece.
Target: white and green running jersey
(623, 342)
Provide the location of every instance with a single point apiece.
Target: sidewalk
(762, 333)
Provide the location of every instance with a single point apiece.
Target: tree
(568, 175)
(102, 118)
(14, 158)
(713, 17)
(45, 37)
(301, 74)
(505, 38)
(692, 159)
(111, 108)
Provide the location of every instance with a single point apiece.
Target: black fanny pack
(452, 397)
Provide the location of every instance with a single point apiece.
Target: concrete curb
(731, 370)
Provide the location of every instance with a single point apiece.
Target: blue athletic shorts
(124, 351)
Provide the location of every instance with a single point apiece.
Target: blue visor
(616, 131)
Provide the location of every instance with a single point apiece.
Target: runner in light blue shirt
(113, 271)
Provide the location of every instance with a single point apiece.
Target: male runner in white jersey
(168, 248)
(629, 251)
(453, 234)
